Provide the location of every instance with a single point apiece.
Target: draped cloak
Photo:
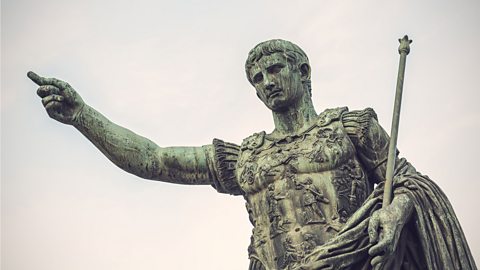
(432, 239)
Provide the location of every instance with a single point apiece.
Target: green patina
(313, 186)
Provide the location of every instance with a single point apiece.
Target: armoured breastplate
(300, 189)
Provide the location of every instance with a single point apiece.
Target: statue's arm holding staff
(129, 151)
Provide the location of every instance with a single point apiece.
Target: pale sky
(173, 71)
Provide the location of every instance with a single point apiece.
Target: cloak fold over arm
(433, 239)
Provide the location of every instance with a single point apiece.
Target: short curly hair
(295, 56)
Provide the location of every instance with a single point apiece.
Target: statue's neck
(295, 118)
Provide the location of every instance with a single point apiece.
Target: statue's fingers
(53, 106)
(56, 114)
(39, 80)
(52, 98)
(380, 247)
(46, 90)
(373, 226)
(60, 84)
(377, 262)
(36, 78)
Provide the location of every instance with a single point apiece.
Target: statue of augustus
(313, 186)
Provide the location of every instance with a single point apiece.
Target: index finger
(39, 80)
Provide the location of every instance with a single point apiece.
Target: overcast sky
(173, 71)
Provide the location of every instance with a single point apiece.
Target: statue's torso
(300, 190)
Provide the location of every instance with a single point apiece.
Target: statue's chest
(299, 191)
(320, 149)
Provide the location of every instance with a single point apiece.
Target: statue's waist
(301, 211)
(288, 242)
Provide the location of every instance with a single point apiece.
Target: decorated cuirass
(299, 189)
(302, 189)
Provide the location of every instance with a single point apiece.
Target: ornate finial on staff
(404, 45)
(403, 50)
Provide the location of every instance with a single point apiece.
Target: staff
(403, 49)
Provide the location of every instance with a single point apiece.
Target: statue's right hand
(60, 100)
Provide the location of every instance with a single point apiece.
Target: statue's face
(278, 84)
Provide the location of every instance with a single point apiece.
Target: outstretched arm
(129, 151)
(140, 156)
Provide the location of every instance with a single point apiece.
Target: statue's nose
(269, 85)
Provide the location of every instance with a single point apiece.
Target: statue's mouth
(275, 93)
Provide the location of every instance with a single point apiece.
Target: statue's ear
(305, 71)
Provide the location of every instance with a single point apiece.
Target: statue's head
(280, 72)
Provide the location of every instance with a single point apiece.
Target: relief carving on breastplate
(295, 253)
(318, 153)
(258, 237)
(272, 165)
(329, 143)
(331, 136)
(277, 219)
(350, 183)
(309, 243)
(247, 164)
(253, 142)
(312, 198)
(248, 174)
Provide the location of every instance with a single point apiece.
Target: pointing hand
(60, 100)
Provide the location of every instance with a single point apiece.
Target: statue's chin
(278, 105)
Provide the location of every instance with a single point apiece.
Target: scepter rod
(403, 49)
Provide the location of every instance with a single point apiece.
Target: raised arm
(129, 151)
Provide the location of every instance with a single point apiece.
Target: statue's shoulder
(365, 113)
(253, 141)
(330, 115)
(359, 116)
(225, 156)
(361, 125)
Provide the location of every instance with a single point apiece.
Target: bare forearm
(140, 156)
(404, 206)
(126, 149)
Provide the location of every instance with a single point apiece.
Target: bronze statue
(313, 186)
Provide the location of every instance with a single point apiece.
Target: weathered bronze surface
(313, 187)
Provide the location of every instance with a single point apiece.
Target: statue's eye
(275, 68)
(258, 78)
